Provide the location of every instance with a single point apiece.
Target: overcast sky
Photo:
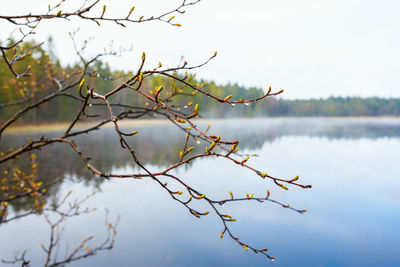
(310, 48)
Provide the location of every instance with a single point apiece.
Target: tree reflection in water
(153, 150)
(19, 187)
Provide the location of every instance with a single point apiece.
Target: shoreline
(60, 126)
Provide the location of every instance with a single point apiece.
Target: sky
(310, 48)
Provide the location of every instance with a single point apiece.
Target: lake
(353, 208)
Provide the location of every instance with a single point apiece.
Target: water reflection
(160, 144)
(56, 250)
(353, 207)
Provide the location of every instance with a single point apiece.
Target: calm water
(353, 216)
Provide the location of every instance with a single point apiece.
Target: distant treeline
(334, 106)
(13, 90)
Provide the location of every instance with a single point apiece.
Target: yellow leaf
(104, 10)
(130, 11)
(284, 187)
(212, 145)
(81, 84)
(133, 133)
(196, 108)
(227, 98)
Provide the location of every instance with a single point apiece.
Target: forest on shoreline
(17, 93)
